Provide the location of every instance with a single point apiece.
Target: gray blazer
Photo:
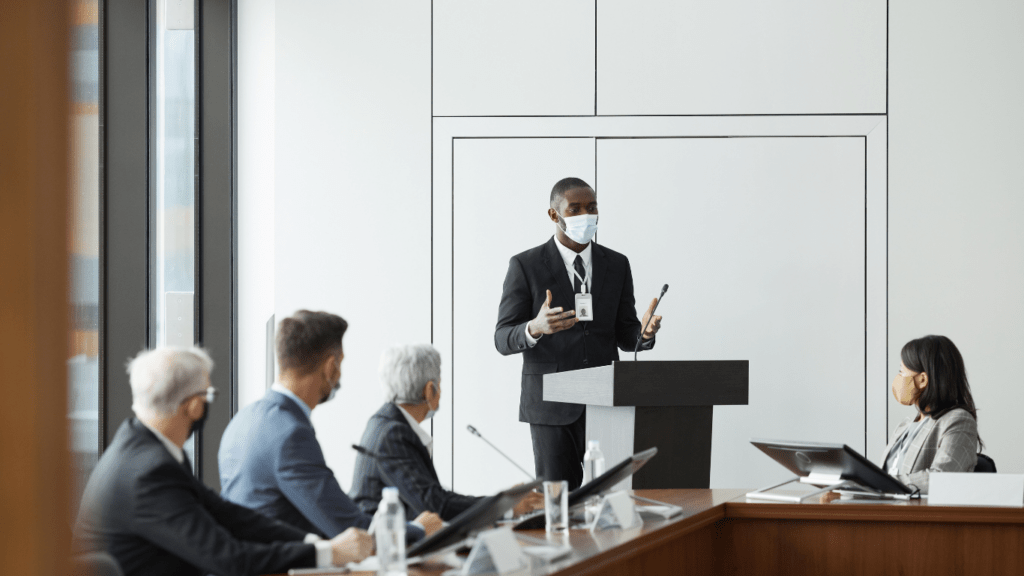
(946, 444)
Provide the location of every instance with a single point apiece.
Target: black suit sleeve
(169, 514)
(627, 325)
(514, 311)
(246, 524)
(402, 465)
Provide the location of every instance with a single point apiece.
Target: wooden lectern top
(653, 383)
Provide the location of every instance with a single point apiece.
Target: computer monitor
(830, 460)
(476, 518)
(611, 477)
(597, 486)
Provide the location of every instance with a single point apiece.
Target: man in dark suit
(143, 506)
(270, 459)
(537, 318)
(400, 449)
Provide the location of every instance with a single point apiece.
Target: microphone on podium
(636, 349)
(474, 432)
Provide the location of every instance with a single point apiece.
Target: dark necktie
(187, 464)
(577, 264)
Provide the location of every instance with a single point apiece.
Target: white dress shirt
(569, 258)
(420, 431)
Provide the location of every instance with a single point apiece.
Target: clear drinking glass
(556, 506)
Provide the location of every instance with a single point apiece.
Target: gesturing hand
(352, 545)
(655, 324)
(550, 320)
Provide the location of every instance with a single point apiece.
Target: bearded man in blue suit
(270, 459)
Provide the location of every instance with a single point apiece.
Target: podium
(632, 406)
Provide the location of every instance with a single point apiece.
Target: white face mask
(580, 229)
(334, 389)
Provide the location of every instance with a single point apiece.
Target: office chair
(985, 464)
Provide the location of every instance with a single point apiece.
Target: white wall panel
(956, 258)
(500, 203)
(256, 90)
(762, 241)
(741, 57)
(353, 188)
(529, 57)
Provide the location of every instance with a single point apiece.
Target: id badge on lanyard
(584, 301)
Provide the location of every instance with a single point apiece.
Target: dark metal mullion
(216, 238)
(234, 209)
(101, 307)
(124, 202)
(197, 207)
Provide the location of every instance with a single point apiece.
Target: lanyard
(583, 281)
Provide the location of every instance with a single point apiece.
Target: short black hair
(306, 338)
(563, 186)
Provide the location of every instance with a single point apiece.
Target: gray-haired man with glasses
(145, 508)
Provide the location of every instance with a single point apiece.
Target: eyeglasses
(211, 394)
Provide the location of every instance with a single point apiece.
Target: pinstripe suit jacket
(404, 464)
(946, 444)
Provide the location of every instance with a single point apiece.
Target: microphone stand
(636, 349)
(473, 431)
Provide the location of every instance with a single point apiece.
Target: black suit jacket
(148, 511)
(405, 464)
(585, 345)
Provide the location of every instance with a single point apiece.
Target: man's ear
(430, 391)
(327, 367)
(553, 215)
(193, 407)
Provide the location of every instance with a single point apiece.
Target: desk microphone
(644, 329)
(480, 436)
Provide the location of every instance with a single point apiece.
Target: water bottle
(389, 534)
(593, 462)
(593, 466)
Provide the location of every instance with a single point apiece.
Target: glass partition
(84, 239)
(173, 189)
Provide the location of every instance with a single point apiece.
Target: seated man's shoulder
(382, 426)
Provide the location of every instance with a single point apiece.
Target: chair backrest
(96, 564)
(985, 464)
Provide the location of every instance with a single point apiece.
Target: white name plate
(975, 489)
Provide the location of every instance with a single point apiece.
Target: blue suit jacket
(406, 465)
(270, 461)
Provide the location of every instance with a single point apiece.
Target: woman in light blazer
(943, 437)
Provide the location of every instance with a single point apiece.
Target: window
(173, 183)
(84, 238)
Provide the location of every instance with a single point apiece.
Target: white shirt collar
(173, 448)
(423, 435)
(569, 257)
(277, 387)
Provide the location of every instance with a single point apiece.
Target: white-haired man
(143, 506)
(410, 377)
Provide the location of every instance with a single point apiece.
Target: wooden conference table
(721, 533)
